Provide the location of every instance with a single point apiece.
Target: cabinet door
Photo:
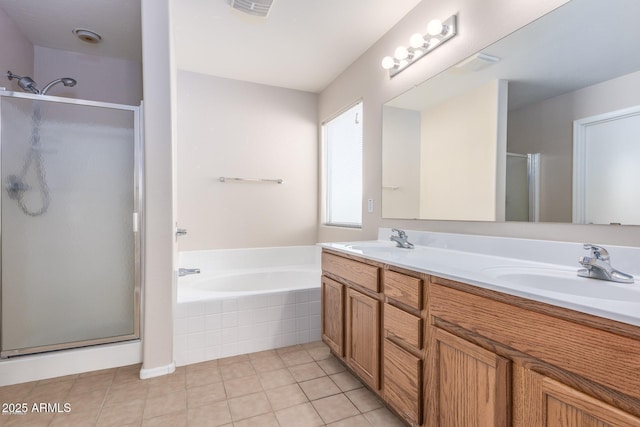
(333, 315)
(403, 382)
(363, 336)
(562, 406)
(469, 386)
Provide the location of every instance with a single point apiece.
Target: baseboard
(41, 366)
(156, 372)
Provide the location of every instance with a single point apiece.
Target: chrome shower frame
(137, 221)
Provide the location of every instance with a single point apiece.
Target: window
(343, 168)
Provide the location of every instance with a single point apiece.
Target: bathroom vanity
(451, 348)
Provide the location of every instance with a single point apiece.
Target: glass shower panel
(517, 189)
(68, 244)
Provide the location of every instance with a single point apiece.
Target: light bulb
(388, 63)
(401, 53)
(435, 28)
(416, 41)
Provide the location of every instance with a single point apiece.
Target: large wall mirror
(543, 126)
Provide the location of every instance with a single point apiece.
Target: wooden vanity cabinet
(333, 315)
(351, 272)
(497, 359)
(403, 382)
(554, 404)
(444, 353)
(351, 326)
(404, 317)
(363, 336)
(404, 289)
(373, 318)
(470, 386)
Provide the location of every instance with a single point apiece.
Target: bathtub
(246, 300)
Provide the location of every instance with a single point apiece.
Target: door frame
(137, 222)
(580, 127)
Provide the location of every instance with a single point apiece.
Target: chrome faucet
(401, 239)
(598, 266)
(187, 271)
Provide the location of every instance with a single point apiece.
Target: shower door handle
(136, 222)
(181, 232)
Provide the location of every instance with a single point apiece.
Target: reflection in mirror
(449, 153)
(454, 145)
(522, 198)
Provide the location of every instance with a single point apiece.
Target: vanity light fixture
(420, 44)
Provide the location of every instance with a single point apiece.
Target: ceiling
(303, 44)
(50, 23)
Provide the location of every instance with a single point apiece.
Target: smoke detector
(87, 35)
(259, 8)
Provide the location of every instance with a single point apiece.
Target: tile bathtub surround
(300, 385)
(212, 329)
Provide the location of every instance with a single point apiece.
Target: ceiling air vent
(256, 8)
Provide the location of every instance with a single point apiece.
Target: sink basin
(420, 256)
(377, 247)
(566, 282)
(368, 246)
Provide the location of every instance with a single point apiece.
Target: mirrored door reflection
(606, 173)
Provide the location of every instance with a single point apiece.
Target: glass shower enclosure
(71, 174)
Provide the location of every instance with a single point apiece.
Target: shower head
(26, 83)
(67, 81)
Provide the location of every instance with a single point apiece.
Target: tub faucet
(598, 266)
(187, 271)
(401, 239)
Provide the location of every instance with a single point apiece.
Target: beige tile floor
(298, 386)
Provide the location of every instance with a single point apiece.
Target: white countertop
(531, 278)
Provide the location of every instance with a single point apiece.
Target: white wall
(547, 128)
(480, 24)
(159, 241)
(99, 78)
(238, 129)
(458, 157)
(16, 52)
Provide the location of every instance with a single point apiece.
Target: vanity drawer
(402, 325)
(402, 380)
(356, 272)
(404, 289)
